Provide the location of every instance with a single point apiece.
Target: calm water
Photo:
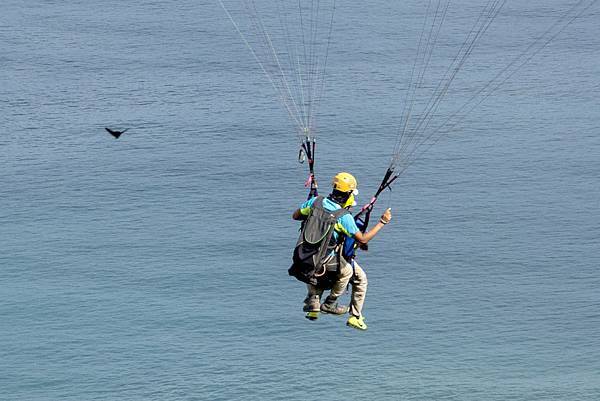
(154, 267)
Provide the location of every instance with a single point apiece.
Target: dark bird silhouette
(116, 134)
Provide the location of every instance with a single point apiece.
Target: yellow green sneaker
(357, 322)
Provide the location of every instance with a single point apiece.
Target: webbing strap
(308, 148)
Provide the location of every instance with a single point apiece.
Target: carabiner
(301, 156)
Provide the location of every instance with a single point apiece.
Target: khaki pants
(359, 286)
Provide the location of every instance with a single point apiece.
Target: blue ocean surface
(154, 267)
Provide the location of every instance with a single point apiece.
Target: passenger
(334, 271)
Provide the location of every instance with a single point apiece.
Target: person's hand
(386, 217)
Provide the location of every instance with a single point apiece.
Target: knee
(345, 271)
(360, 279)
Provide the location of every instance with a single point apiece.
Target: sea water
(153, 267)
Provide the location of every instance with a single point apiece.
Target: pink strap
(309, 181)
(368, 205)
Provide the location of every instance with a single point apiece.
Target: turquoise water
(153, 267)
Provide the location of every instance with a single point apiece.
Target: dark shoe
(311, 304)
(312, 315)
(330, 306)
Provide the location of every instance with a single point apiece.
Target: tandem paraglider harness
(317, 255)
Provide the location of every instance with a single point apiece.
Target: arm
(303, 211)
(298, 215)
(364, 238)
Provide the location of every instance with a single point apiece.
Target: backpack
(316, 244)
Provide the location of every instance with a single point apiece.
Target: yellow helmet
(345, 182)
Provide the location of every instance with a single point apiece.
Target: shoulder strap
(318, 203)
(340, 212)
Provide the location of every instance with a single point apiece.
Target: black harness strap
(308, 148)
(364, 215)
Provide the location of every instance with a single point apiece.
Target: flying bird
(116, 134)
